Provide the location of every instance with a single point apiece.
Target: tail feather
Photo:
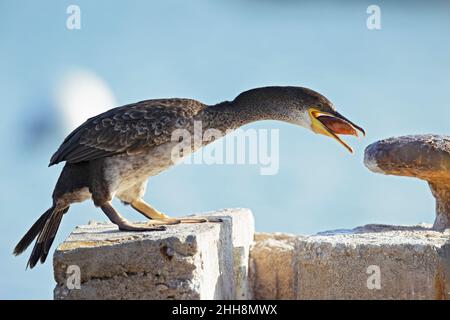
(34, 231)
(53, 228)
(44, 229)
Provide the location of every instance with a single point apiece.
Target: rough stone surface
(413, 262)
(243, 231)
(211, 261)
(272, 266)
(187, 261)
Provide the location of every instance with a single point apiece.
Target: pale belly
(127, 175)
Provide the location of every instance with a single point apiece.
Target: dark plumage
(113, 154)
(132, 128)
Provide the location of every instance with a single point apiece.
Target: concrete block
(243, 232)
(273, 266)
(370, 262)
(187, 261)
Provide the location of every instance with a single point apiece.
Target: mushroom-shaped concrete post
(425, 157)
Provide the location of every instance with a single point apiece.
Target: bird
(113, 154)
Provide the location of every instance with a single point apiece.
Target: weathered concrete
(211, 261)
(413, 263)
(187, 261)
(273, 265)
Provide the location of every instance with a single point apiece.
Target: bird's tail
(44, 229)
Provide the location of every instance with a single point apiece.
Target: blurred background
(392, 81)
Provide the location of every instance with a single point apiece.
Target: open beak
(334, 124)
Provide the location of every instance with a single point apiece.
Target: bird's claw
(193, 220)
(145, 227)
(153, 227)
(201, 220)
(168, 221)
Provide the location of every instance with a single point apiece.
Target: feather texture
(132, 128)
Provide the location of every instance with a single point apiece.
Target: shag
(114, 153)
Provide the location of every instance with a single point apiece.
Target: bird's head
(319, 115)
(300, 106)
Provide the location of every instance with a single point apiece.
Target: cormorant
(114, 153)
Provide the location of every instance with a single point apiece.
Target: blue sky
(393, 81)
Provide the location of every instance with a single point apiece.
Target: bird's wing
(132, 129)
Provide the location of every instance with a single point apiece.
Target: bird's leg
(147, 210)
(160, 218)
(124, 224)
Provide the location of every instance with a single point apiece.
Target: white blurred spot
(81, 95)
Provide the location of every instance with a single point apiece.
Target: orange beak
(334, 124)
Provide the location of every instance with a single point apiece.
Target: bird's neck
(231, 115)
